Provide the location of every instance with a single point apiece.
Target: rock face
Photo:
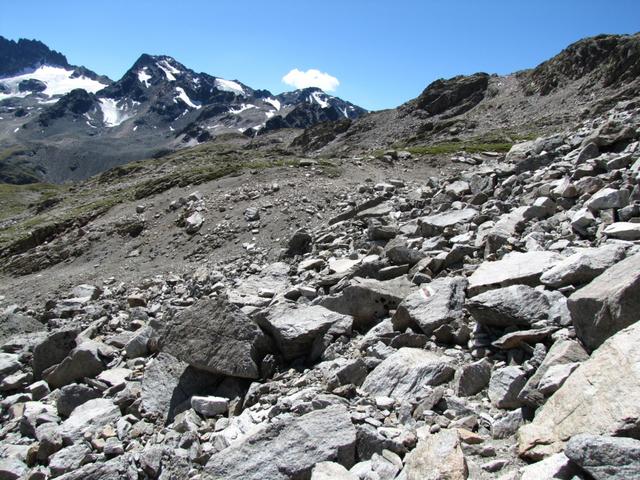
(599, 398)
(406, 373)
(215, 336)
(289, 449)
(436, 457)
(432, 306)
(297, 331)
(514, 268)
(608, 304)
(606, 458)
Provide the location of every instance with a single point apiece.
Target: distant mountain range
(60, 122)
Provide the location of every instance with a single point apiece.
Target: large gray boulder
(368, 300)
(298, 332)
(407, 373)
(215, 336)
(514, 268)
(608, 304)
(600, 397)
(583, 266)
(518, 305)
(289, 448)
(605, 458)
(433, 305)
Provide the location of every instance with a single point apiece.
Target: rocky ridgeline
(482, 326)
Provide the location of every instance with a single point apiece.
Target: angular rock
(517, 305)
(83, 361)
(432, 225)
(608, 304)
(562, 352)
(438, 303)
(91, 416)
(436, 457)
(15, 324)
(472, 378)
(608, 198)
(193, 222)
(605, 458)
(209, 406)
(514, 268)
(53, 350)
(600, 397)
(168, 384)
(368, 300)
(331, 471)
(623, 231)
(215, 336)
(9, 363)
(405, 374)
(288, 448)
(504, 387)
(556, 466)
(583, 266)
(515, 339)
(297, 330)
(72, 396)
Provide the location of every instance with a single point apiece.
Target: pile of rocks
(482, 326)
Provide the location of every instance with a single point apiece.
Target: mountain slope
(586, 78)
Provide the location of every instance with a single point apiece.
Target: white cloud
(311, 78)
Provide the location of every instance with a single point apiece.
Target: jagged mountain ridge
(158, 105)
(585, 79)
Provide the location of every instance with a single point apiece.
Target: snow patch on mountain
(144, 77)
(58, 80)
(274, 102)
(317, 96)
(182, 95)
(168, 70)
(229, 86)
(241, 108)
(112, 115)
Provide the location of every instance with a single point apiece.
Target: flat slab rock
(514, 268)
(600, 397)
(288, 448)
(215, 336)
(406, 373)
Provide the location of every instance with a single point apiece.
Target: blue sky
(383, 53)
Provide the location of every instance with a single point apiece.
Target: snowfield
(112, 115)
(229, 86)
(58, 80)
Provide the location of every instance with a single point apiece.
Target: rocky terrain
(238, 310)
